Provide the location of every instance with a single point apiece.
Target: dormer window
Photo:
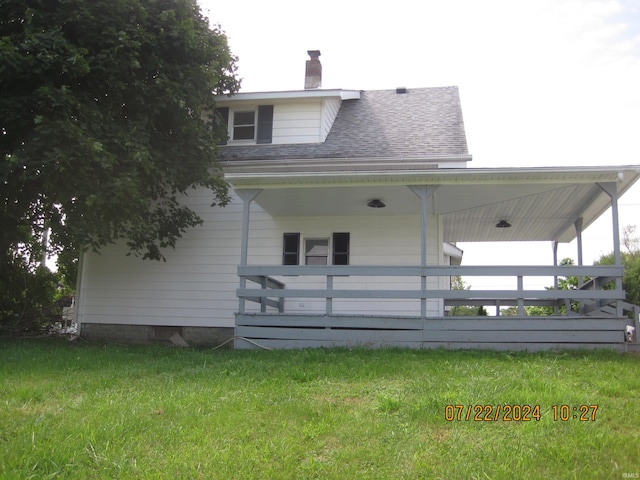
(248, 125)
(244, 125)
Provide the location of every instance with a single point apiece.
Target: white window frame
(304, 249)
(232, 125)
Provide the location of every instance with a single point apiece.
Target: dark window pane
(244, 118)
(243, 133)
(316, 260)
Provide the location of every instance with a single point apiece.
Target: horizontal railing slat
(430, 271)
(448, 294)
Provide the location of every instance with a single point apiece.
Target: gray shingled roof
(424, 122)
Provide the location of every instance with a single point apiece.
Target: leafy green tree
(457, 283)
(630, 257)
(28, 298)
(564, 283)
(106, 120)
(511, 311)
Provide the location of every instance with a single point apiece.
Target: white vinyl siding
(197, 284)
(329, 112)
(297, 122)
(194, 287)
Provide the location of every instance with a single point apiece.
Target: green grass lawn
(82, 411)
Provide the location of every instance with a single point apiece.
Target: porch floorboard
(288, 331)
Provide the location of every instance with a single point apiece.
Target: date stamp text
(518, 413)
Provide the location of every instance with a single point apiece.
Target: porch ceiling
(540, 205)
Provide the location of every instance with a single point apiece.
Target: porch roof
(541, 204)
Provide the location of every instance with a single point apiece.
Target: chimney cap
(313, 53)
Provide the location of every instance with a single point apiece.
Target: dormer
(279, 118)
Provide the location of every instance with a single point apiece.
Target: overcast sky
(542, 83)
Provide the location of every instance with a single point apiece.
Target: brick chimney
(313, 73)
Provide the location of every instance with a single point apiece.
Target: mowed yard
(73, 410)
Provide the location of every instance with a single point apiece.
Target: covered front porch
(411, 304)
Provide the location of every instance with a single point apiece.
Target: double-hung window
(332, 250)
(244, 125)
(316, 251)
(248, 124)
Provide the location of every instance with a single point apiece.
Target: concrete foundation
(158, 335)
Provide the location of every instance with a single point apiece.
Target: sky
(542, 83)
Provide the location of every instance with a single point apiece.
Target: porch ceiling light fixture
(375, 203)
(503, 224)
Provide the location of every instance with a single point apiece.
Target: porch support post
(578, 226)
(520, 296)
(611, 189)
(423, 192)
(247, 197)
(554, 246)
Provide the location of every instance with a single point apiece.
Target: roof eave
(291, 94)
(372, 174)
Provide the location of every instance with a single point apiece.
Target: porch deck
(599, 321)
(279, 331)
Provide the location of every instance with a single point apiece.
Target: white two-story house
(347, 206)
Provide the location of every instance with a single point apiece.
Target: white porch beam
(579, 212)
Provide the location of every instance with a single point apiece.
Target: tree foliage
(630, 256)
(28, 298)
(457, 283)
(106, 119)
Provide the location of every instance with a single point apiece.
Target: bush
(29, 297)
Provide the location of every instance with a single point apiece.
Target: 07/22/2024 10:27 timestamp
(518, 413)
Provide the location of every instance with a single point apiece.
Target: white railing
(273, 292)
